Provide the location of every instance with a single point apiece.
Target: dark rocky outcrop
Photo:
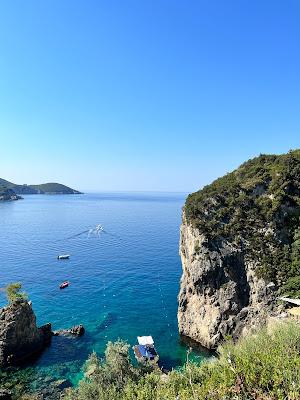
(77, 330)
(47, 333)
(20, 338)
(8, 194)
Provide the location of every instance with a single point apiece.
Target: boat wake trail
(112, 234)
(95, 232)
(77, 234)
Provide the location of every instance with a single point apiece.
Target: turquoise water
(123, 282)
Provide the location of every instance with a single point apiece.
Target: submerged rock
(20, 338)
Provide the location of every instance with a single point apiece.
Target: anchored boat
(145, 351)
(64, 285)
(63, 257)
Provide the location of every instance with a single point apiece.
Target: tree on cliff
(13, 292)
(256, 208)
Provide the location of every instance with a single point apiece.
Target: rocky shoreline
(20, 340)
(20, 337)
(9, 195)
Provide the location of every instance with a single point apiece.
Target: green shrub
(13, 292)
(291, 288)
(197, 247)
(264, 366)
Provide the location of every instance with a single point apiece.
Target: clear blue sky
(145, 95)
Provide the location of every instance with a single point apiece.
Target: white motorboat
(63, 257)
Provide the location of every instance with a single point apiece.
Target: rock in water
(239, 238)
(20, 337)
(77, 330)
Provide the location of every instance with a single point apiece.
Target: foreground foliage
(257, 207)
(262, 367)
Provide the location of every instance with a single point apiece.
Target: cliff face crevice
(220, 294)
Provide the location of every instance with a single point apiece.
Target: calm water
(123, 282)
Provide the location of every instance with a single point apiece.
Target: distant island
(44, 188)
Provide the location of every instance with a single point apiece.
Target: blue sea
(124, 281)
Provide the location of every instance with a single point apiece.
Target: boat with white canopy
(145, 351)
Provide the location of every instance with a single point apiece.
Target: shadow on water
(66, 349)
(169, 363)
(61, 360)
(63, 349)
(196, 347)
(109, 319)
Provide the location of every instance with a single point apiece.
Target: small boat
(64, 285)
(99, 228)
(63, 257)
(145, 351)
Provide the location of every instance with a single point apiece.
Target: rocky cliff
(8, 194)
(220, 293)
(240, 247)
(20, 337)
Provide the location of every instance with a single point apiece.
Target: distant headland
(44, 188)
(8, 194)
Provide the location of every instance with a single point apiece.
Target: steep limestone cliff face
(19, 335)
(220, 294)
(240, 248)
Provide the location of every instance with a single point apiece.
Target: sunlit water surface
(124, 282)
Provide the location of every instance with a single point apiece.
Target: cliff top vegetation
(256, 207)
